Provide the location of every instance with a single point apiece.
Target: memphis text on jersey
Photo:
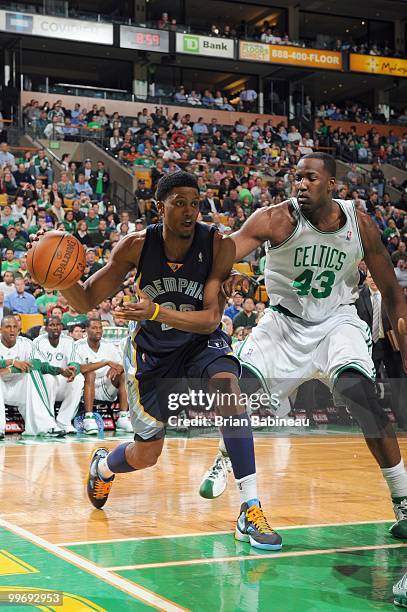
(169, 284)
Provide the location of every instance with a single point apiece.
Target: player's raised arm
(203, 321)
(107, 281)
(381, 268)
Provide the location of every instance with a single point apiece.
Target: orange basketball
(56, 261)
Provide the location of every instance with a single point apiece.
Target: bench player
(58, 351)
(101, 364)
(314, 245)
(27, 381)
(181, 265)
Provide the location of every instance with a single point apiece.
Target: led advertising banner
(205, 45)
(57, 27)
(376, 64)
(286, 54)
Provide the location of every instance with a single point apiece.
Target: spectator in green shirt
(92, 221)
(246, 317)
(10, 264)
(69, 221)
(45, 301)
(14, 241)
(71, 317)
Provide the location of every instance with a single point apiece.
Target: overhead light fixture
(363, 22)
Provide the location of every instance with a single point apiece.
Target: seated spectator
(7, 284)
(401, 272)
(180, 96)
(399, 253)
(46, 301)
(8, 184)
(200, 127)
(20, 300)
(10, 263)
(210, 205)
(18, 210)
(54, 129)
(15, 240)
(236, 306)
(82, 186)
(22, 177)
(65, 187)
(7, 159)
(82, 233)
(247, 317)
(194, 98)
(102, 235)
(207, 98)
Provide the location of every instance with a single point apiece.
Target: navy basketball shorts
(153, 379)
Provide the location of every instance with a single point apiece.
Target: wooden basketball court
(159, 545)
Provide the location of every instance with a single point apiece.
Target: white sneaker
(400, 592)
(90, 426)
(123, 423)
(54, 432)
(215, 479)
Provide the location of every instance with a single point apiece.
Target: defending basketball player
(175, 335)
(312, 330)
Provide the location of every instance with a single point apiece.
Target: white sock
(396, 478)
(103, 469)
(222, 447)
(247, 488)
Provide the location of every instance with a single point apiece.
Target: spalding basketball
(57, 260)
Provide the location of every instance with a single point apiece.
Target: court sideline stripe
(209, 533)
(306, 553)
(132, 588)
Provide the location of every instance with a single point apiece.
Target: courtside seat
(244, 268)
(30, 320)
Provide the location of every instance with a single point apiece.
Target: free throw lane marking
(305, 553)
(209, 533)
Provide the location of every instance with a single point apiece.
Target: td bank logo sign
(191, 44)
(205, 45)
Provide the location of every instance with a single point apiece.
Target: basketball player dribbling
(174, 334)
(311, 330)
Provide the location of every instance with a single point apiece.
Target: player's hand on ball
(35, 238)
(69, 373)
(140, 311)
(229, 286)
(23, 366)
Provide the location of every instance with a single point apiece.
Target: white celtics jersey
(107, 352)
(23, 350)
(58, 356)
(313, 273)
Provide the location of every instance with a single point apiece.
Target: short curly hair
(176, 179)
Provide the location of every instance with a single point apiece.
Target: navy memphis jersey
(179, 286)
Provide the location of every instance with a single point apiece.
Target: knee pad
(358, 394)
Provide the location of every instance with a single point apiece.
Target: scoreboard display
(144, 39)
